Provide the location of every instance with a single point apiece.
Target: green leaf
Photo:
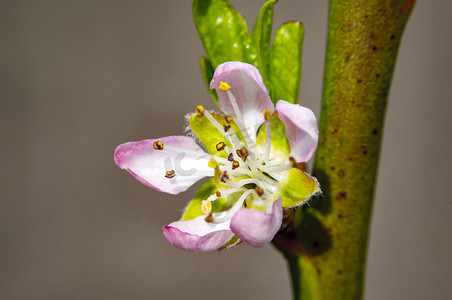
(207, 74)
(297, 187)
(193, 209)
(285, 62)
(209, 135)
(222, 30)
(261, 40)
(280, 143)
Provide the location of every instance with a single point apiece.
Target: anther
(170, 174)
(220, 146)
(224, 86)
(224, 176)
(231, 157)
(158, 145)
(235, 165)
(267, 114)
(229, 119)
(293, 162)
(200, 111)
(209, 218)
(244, 153)
(227, 127)
(206, 206)
(218, 194)
(259, 190)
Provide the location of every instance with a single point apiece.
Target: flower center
(251, 171)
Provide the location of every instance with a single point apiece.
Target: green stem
(325, 243)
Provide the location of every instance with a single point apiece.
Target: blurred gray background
(77, 78)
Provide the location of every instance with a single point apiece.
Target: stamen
(231, 157)
(170, 174)
(236, 207)
(293, 162)
(267, 114)
(243, 154)
(229, 119)
(200, 111)
(235, 165)
(158, 145)
(206, 206)
(227, 127)
(259, 190)
(220, 146)
(224, 86)
(218, 194)
(225, 177)
(209, 218)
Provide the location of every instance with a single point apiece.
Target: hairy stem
(325, 243)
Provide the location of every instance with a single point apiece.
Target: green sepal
(261, 40)
(207, 74)
(232, 242)
(223, 31)
(193, 209)
(297, 187)
(209, 135)
(280, 144)
(285, 62)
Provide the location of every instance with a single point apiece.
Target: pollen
(235, 165)
(220, 146)
(158, 145)
(170, 174)
(267, 114)
(259, 190)
(224, 86)
(206, 206)
(199, 111)
(229, 119)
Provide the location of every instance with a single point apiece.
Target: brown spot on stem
(341, 173)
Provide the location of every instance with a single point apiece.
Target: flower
(252, 152)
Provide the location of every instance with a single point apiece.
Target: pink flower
(251, 151)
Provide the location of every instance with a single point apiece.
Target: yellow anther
(259, 190)
(267, 114)
(218, 194)
(158, 145)
(235, 165)
(229, 119)
(170, 174)
(206, 206)
(224, 86)
(220, 146)
(199, 111)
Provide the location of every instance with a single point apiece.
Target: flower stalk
(325, 243)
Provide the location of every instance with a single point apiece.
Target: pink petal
(198, 235)
(149, 166)
(248, 89)
(256, 227)
(301, 129)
